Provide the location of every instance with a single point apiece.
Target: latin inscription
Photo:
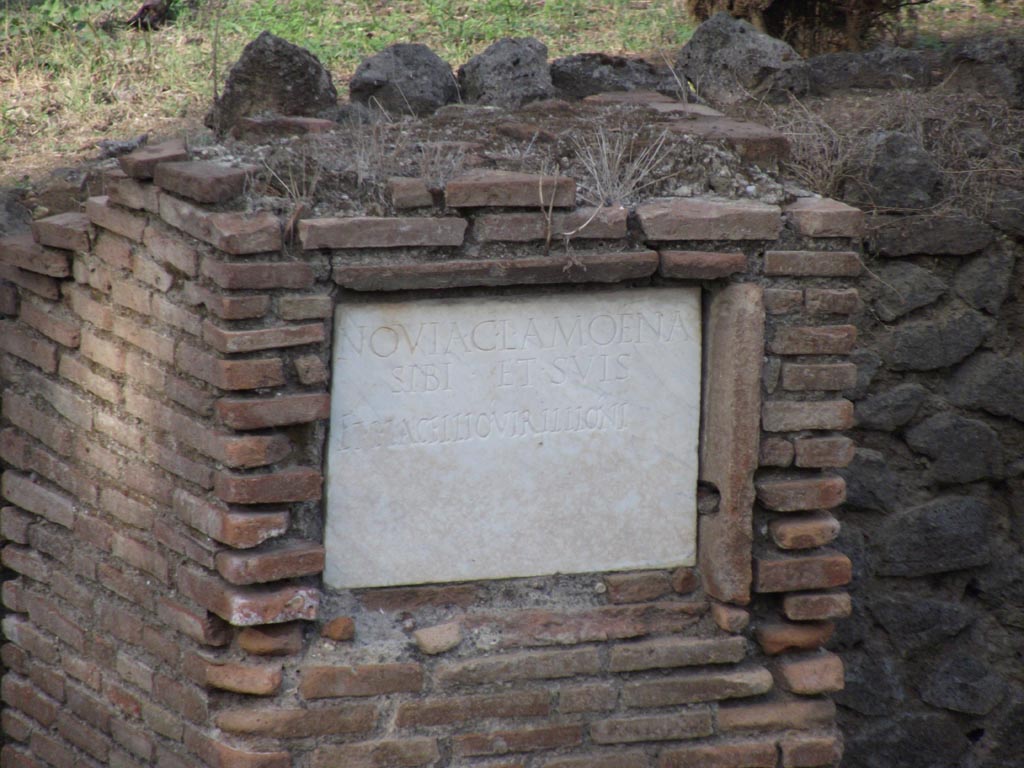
(479, 438)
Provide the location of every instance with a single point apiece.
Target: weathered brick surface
(524, 740)
(69, 231)
(637, 587)
(696, 219)
(760, 753)
(531, 665)
(246, 606)
(810, 750)
(272, 640)
(812, 263)
(23, 252)
(819, 452)
(700, 265)
(287, 560)
(233, 233)
(232, 342)
(796, 714)
(694, 687)
(817, 606)
(132, 193)
(776, 452)
(782, 416)
(409, 193)
(685, 724)
(606, 223)
(814, 340)
(828, 377)
(121, 221)
(804, 531)
(41, 285)
(482, 188)
(296, 484)
(141, 163)
(234, 527)
(205, 182)
(779, 301)
(817, 673)
(832, 301)
(284, 722)
(374, 232)
(798, 495)
(253, 413)
(779, 637)
(389, 753)
(822, 217)
(459, 709)
(676, 652)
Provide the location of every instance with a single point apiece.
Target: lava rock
(1003, 742)
(943, 235)
(873, 684)
(963, 450)
(948, 534)
(510, 73)
(585, 74)
(924, 345)
(1006, 211)
(870, 484)
(404, 78)
(868, 362)
(990, 382)
(273, 75)
(963, 683)
(915, 622)
(984, 281)
(14, 216)
(729, 62)
(891, 409)
(884, 67)
(904, 288)
(895, 171)
(990, 65)
(909, 741)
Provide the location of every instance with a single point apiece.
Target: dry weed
(619, 167)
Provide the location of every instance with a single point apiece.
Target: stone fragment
(730, 62)
(23, 252)
(779, 637)
(870, 484)
(753, 142)
(1006, 211)
(817, 606)
(909, 740)
(993, 65)
(890, 409)
(730, 618)
(947, 534)
(823, 217)
(202, 181)
(438, 639)
(586, 74)
(964, 683)
(409, 193)
(340, 629)
(929, 234)
(637, 587)
(821, 672)
(705, 219)
(985, 280)
(885, 68)
(804, 531)
(939, 342)
(917, 622)
(990, 382)
(272, 640)
(904, 287)
(402, 79)
(963, 450)
(142, 163)
(70, 231)
(873, 684)
(895, 171)
(810, 750)
(508, 73)
(272, 75)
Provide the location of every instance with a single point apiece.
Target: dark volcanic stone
(873, 684)
(1006, 211)
(883, 67)
(985, 280)
(509, 73)
(14, 217)
(963, 450)
(963, 683)
(729, 61)
(917, 622)
(870, 484)
(896, 172)
(992, 383)
(924, 345)
(992, 65)
(903, 288)
(892, 408)
(907, 741)
(948, 534)
(868, 362)
(273, 75)
(585, 74)
(404, 78)
(939, 235)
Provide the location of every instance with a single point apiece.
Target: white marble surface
(492, 437)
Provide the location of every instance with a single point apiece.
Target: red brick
(41, 285)
(205, 182)
(685, 724)
(170, 251)
(699, 265)
(250, 679)
(595, 697)
(799, 377)
(804, 531)
(311, 370)
(694, 687)
(240, 529)
(128, 736)
(234, 233)
(14, 524)
(91, 709)
(16, 726)
(170, 313)
(141, 163)
(180, 697)
(250, 413)
(299, 307)
(8, 299)
(780, 714)
(684, 580)
(185, 541)
(264, 338)
(698, 219)
(287, 560)
(286, 485)
(22, 695)
(791, 574)
(386, 753)
(828, 301)
(48, 430)
(374, 232)
(69, 231)
(721, 754)
(16, 758)
(141, 556)
(116, 251)
(289, 723)
(103, 213)
(669, 652)
(814, 340)
(90, 310)
(227, 307)
(23, 252)
(797, 495)
(796, 416)
(13, 658)
(106, 353)
(13, 595)
(775, 452)
(454, 710)
(77, 372)
(482, 188)
(94, 530)
(156, 344)
(817, 606)
(30, 347)
(637, 587)
(823, 217)
(257, 373)
(130, 294)
(51, 321)
(812, 263)
(340, 629)
(29, 495)
(810, 751)
(821, 452)
(409, 193)
(24, 635)
(779, 301)
(218, 755)
(245, 606)
(535, 665)
(821, 672)
(17, 450)
(162, 722)
(131, 193)
(779, 637)
(605, 223)
(730, 618)
(523, 740)
(133, 588)
(275, 640)
(91, 271)
(365, 680)
(200, 626)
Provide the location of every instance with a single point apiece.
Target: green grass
(70, 73)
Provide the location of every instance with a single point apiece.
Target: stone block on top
(677, 218)
(482, 188)
(70, 231)
(824, 217)
(23, 252)
(381, 232)
(141, 163)
(202, 181)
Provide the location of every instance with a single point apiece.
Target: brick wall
(165, 359)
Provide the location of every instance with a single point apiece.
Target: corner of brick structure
(166, 394)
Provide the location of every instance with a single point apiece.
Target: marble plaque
(492, 437)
